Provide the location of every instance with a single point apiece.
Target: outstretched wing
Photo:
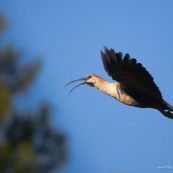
(134, 79)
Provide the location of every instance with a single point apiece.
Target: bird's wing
(134, 79)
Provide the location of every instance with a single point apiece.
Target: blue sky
(104, 136)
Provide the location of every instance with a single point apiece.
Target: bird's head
(90, 80)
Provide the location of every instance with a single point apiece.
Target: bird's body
(114, 90)
(134, 86)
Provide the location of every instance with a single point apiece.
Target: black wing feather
(135, 80)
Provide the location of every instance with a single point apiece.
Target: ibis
(134, 85)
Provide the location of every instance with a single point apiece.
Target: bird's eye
(89, 77)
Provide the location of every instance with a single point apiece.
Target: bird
(133, 86)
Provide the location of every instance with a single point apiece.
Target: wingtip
(105, 48)
(102, 53)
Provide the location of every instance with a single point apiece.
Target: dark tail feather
(167, 110)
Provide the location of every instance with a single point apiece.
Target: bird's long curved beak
(84, 79)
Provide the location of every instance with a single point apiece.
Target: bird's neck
(114, 90)
(110, 89)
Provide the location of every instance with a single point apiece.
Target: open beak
(84, 79)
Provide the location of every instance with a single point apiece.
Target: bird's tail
(167, 110)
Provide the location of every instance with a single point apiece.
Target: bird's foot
(168, 114)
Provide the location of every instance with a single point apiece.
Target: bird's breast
(123, 97)
(128, 100)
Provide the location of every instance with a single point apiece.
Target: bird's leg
(167, 114)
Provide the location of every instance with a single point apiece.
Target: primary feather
(134, 79)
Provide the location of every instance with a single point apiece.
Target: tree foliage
(28, 142)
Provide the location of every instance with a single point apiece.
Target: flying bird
(134, 87)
